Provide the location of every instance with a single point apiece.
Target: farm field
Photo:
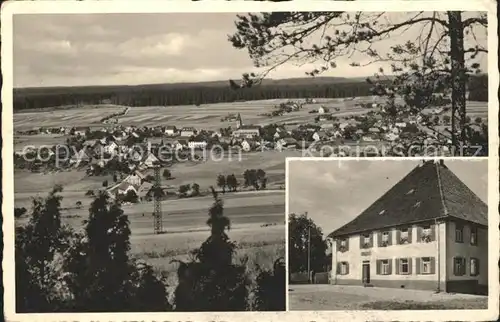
(78, 116)
(205, 116)
(336, 297)
(76, 183)
(22, 141)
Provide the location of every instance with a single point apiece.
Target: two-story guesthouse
(429, 231)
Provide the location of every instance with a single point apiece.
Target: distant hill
(301, 81)
(205, 92)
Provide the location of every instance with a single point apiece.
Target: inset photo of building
(387, 234)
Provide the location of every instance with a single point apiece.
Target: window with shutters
(343, 268)
(404, 236)
(473, 236)
(366, 240)
(474, 266)
(425, 265)
(459, 266)
(385, 239)
(426, 235)
(343, 245)
(404, 267)
(459, 234)
(384, 267)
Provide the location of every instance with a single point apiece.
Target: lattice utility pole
(157, 214)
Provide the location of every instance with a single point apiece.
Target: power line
(157, 214)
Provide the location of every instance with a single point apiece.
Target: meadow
(257, 217)
(206, 116)
(89, 115)
(257, 228)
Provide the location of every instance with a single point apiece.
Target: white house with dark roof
(429, 231)
(149, 160)
(170, 130)
(188, 131)
(197, 144)
(245, 131)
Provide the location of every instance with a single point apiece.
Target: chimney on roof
(441, 162)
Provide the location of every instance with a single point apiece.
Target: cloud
(173, 44)
(176, 46)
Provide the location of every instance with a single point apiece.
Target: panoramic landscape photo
(149, 153)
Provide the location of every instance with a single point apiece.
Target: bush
(167, 174)
(211, 282)
(39, 246)
(100, 274)
(183, 190)
(196, 189)
(58, 270)
(270, 294)
(105, 183)
(89, 193)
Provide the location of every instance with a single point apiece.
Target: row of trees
(60, 270)
(256, 178)
(230, 182)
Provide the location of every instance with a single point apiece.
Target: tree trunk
(458, 78)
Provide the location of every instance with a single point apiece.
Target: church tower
(239, 122)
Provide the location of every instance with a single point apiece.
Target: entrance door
(366, 273)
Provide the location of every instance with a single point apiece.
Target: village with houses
(129, 153)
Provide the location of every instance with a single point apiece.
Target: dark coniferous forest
(206, 93)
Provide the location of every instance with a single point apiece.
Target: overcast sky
(106, 49)
(335, 193)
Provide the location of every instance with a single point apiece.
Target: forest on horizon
(208, 92)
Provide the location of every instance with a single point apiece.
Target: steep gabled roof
(428, 192)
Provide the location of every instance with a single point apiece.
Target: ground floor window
(474, 267)
(404, 266)
(459, 266)
(426, 265)
(344, 268)
(385, 267)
